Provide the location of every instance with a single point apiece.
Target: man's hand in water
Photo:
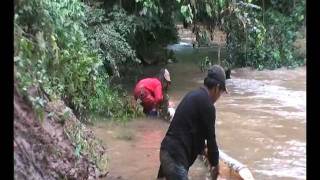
(215, 172)
(214, 169)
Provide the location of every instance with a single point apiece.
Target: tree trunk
(263, 11)
(219, 50)
(135, 8)
(246, 45)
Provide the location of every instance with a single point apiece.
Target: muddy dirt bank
(42, 149)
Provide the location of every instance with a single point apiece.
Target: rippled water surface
(261, 122)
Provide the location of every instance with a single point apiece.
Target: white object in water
(243, 170)
(171, 112)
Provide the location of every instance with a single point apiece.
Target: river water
(261, 122)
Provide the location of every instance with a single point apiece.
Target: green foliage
(205, 64)
(271, 45)
(150, 7)
(259, 33)
(68, 49)
(109, 39)
(56, 51)
(280, 37)
(245, 35)
(122, 22)
(150, 23)
(113, 103)
(86, 145)
(187, 13)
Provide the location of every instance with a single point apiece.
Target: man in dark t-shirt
(193, 124)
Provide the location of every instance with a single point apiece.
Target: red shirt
(150, 91)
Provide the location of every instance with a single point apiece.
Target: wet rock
(228, 73)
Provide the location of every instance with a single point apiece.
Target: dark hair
(210, 82)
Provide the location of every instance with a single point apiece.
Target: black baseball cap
(217, 73)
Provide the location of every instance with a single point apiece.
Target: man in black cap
(192, 124)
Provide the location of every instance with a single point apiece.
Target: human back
(192, 129)
(149, 83)
(186, 134)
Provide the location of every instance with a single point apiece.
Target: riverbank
(55, 146)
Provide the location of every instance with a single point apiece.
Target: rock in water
(228, 73)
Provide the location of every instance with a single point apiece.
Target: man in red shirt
(149, 92)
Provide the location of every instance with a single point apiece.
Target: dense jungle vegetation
(74, 50)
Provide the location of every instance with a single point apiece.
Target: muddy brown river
(261, 122)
